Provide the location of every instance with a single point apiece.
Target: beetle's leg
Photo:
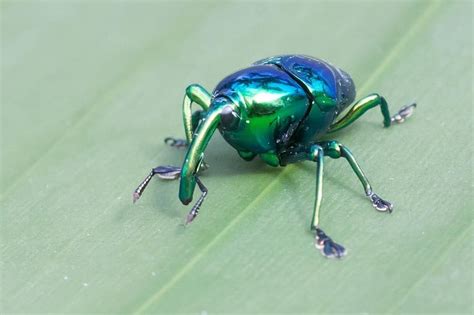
(336, 150)
(165, 172)
(195, 210)
(368, 102)
(176, 142)
(172, 172)
(325, 244)
(315, 153)
(194, 94)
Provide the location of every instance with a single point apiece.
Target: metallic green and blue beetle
(277, 109)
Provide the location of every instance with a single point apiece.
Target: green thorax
(270, 103)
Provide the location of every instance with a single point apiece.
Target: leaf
(91, 89)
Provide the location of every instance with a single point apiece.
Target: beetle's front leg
(195, 118)
(194, 94)
(176, 142)
(165, 172)
(172, 172)
(195, 210)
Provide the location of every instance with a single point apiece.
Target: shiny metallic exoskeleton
(277, 109)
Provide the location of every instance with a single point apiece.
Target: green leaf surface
(89, 89)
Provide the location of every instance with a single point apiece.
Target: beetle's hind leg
(194, 94)
(368, 102)
(336, 150)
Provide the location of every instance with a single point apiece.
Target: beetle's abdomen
(331, 88)
(270, 104)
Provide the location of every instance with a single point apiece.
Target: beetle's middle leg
(315, 153)
(194, 94)
(368, 102)
(336, 150)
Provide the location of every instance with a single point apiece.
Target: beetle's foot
(191, 216)
(380, 204)
(403, 113)
(167, 172)
(177, 143)
(327, 246)
(195, 210)
(136, 195)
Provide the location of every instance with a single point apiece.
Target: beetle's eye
(229, 118)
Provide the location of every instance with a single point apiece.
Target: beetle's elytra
(278, 109)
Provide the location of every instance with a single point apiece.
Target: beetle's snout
(186, 201)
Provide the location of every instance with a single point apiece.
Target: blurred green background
(89, 89)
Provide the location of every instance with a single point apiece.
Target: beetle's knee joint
(334, 149)
(315, 153)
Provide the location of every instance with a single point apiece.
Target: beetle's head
(346, 90)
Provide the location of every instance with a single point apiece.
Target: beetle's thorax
(269, 102)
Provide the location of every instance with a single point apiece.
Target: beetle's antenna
(165, 172)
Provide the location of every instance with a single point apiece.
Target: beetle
(278, 109)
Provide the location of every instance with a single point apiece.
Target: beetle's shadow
(332, 179)
(230, 164)
(310, 169)
(160, 197)
(225, 162)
